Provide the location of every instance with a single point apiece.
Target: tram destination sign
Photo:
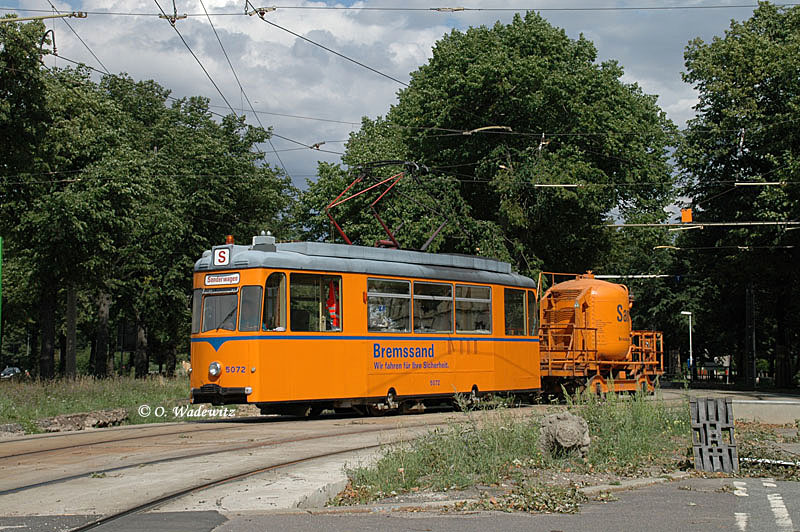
(222, 279)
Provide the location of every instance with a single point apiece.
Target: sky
(282, 74)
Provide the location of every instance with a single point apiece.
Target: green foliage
(745, 130)
(23, 117)
(530, 77)
(631, 434)
(120, 192)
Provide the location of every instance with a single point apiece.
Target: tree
(114, 195)
(23, 114)
(746, 129)
(476, 114)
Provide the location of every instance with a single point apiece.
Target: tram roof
(322, 256)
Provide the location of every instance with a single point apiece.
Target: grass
(473, 451)
(500, 451)
(24, 402)
(631, 434)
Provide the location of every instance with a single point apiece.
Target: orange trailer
(587, 340)
(306, 326)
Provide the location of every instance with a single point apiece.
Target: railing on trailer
(647, 348)
(561, 354)
(569, 351)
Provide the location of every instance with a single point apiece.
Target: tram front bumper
(217, 395)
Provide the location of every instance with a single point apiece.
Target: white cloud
(284, 74)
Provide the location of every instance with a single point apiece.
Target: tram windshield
(219, 311)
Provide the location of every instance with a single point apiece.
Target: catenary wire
(65, 21)
(174, 99)
(196, 59)
(448, 10)
(236, 77)
(359, 63)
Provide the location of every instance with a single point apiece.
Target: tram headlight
(214, 369)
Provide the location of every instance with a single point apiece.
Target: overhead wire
(174, 27)
(65, 21)
(450, 132)
(453, 132)
(447, 10)
(217, 87)
(461, 177)
(174, 99)
(236, 77)
(359, 63)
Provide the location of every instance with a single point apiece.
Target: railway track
(148, 505)
(119, 474)
(244, 447)
(98, 437)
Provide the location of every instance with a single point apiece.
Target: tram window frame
(250, 308)
(419, 298)
(274, 299)
(466, 299)
(533, 313)
(197, 307)
(218, 296)
(512, 328)
(383, 298)
(318, 315)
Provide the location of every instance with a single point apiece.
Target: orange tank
(589, 315)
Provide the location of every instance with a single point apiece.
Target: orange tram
(296, 328)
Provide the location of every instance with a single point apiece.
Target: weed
(491, 447)
(629, 432)
(460, 455)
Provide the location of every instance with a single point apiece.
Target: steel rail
(187, 491)
(256, 445)
(107, 441)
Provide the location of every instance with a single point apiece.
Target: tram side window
(433, 307)
(274, 317)
(514, 312)
(197, 304)
(315, 302)
(388, 305)
(249, 317)
(473, 309)
(533, 314)
(219, 311)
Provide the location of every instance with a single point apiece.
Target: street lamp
(691, 361)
